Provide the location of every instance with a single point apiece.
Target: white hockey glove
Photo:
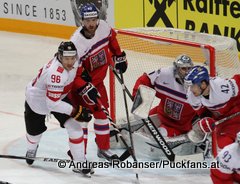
(120, 62)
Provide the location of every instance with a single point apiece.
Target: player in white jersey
(219, 98)
(46, 94)
(229, 164)
(96, 42)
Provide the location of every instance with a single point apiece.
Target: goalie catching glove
(81, 114)
(120, 63)
(89, 94)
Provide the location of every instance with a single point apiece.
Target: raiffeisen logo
(160, 12)
(216, 7)
(220, 17)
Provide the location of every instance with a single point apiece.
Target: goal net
(149, 49)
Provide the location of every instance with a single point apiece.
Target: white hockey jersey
(173, 108)
(221, 92)
(229, 159)
(88, 46)
(45, 92)
(95, 54)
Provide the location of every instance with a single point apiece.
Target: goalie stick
(174, 142)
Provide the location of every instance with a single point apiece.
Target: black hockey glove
(89, 94)
(81, 114)
(120, 62)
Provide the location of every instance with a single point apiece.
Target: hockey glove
(89, 94)
(81, 114)
(120, 62)
(206, 124)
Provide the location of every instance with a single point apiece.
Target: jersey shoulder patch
(60, 69)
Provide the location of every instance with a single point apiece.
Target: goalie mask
(182, 65)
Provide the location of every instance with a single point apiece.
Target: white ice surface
(20, 58)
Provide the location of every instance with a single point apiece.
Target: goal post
(149, 49)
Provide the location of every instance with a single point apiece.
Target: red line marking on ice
(9, 113)
(21, 116)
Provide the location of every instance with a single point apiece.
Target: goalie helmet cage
(149, 49)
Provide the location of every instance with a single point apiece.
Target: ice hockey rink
(20, 58)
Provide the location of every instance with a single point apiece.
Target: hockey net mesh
(149, 49)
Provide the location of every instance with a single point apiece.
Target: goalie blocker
(143, 102)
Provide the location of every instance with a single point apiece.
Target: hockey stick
(4, 182)
(128, 152)
(227, 118)
(150, 126)
(128, 121)
(53, 160)
(43, 159)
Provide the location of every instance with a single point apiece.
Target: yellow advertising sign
(221, 17)
(128, 13)
(210, 16)
(160, 13)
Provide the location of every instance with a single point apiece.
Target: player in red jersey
(96, 45)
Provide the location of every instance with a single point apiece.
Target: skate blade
(88, 175)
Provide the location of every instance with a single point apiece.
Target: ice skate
(31, 154)
(107, 154)
(84, 172)
(80, 170)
